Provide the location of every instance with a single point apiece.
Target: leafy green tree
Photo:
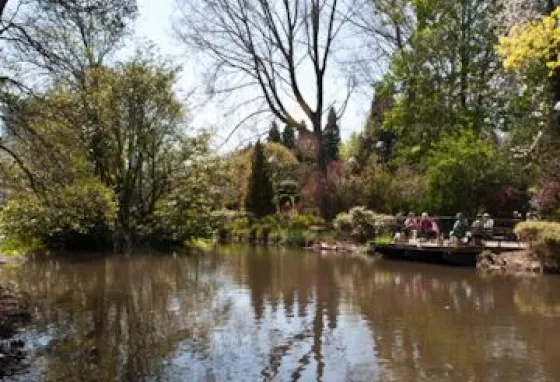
(260, 195)
(350, 147)
(274, 133)
(464, 173)
(446, 75)
(62, 39)
(142, 151)
(331, 137)
(289, 137)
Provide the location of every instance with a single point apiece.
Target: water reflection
(258, 314)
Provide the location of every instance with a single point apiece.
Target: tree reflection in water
(260, 314)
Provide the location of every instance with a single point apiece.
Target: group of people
(481, 227)
(411, 227)
(427, 228)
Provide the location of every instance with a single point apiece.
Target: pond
(256, 314)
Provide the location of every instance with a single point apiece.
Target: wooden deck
(465, 255)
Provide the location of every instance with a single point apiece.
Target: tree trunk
(2, 6)
(321, 168)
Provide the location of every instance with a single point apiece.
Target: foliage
(239, 227)
(302, 221)
(331, 137)
(260, 194)
(446, 75)
(76, 215)
(186, 212)
(463, 174)
(376, 187)
(236, 171)
(277, 155)
(274, 134)
(67, 38)
(362, 224)
(123, 128)
(295, 238)
(289, 137)
(530, 51)
(349, 148)
(547, 197)
(297, 229)
(532, 43)
(544, 236)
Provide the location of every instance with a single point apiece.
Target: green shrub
(238, 227)
(275, 236)
(543, 236)
(295, 237)
(262, 231)
(77, 215)
(343, 224)
(302, 222)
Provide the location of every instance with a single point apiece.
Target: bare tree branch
(271, 43)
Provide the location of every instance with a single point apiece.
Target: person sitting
(460, 227)
(427, 231)
(477, 230)
(399, 227)
(410, 225)
(399, 221)
(531, 216)
(487, 224)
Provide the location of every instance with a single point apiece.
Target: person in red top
(428, 227)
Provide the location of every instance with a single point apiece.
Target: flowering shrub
(547, 199)
(543, 236)
(362, 224)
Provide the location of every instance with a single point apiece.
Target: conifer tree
(260, 194)
(331, 137)
(274, 133)
(289, 137)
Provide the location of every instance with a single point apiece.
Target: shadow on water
(271, 314)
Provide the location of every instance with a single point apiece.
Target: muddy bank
(15, 313)
(522, 262)
(339, 247)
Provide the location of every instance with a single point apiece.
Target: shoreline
(521, 262)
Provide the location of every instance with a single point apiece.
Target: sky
(155, 24)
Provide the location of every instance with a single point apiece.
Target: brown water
(259, 315)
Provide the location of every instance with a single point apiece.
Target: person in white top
(487, 222)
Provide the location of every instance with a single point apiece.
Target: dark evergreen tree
(331, 137)
(289, 137)
(260, 194)
(274, 133)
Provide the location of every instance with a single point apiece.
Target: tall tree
(289, 137)
(331, 138)
(260, 195)
(61, 39)
(274, 133)
(268, 44)
(531, 49)
(446, 73)
(61, 42)
(140, 122)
